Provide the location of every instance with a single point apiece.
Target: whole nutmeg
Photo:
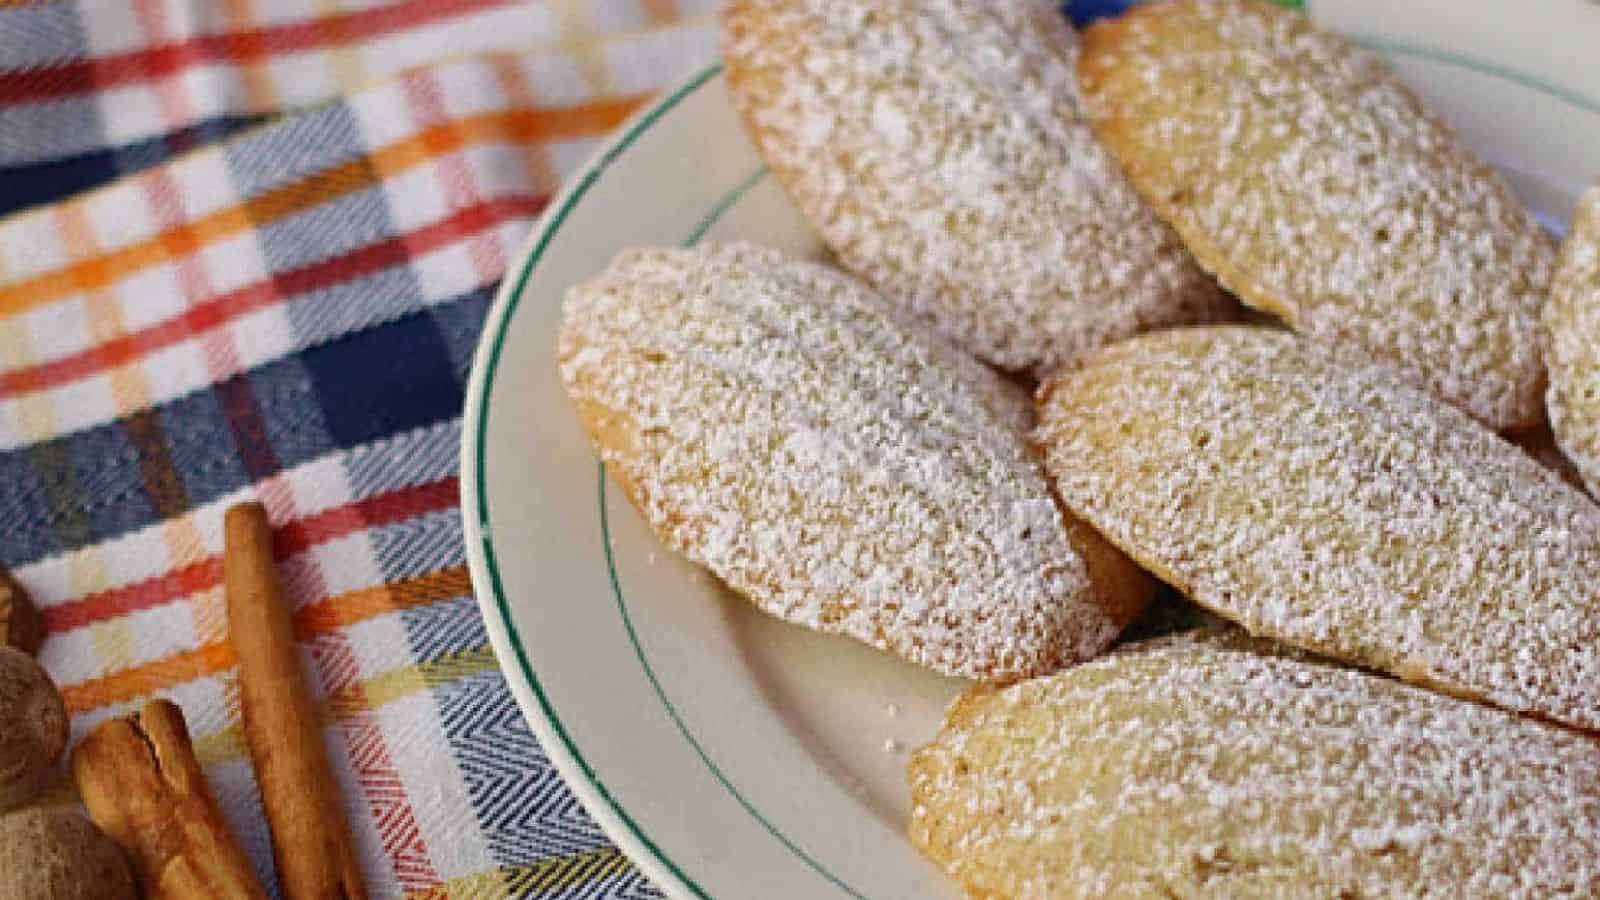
(57, 854)
(33, 728)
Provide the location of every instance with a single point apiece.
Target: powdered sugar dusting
(1315, 499)
(1315, 186)
(843, 469)
(1208, 767)
(1572, 317)
(938, 147)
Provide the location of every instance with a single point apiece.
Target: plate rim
(536, 707)
(488, 589)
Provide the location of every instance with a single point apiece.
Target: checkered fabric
(274, 291)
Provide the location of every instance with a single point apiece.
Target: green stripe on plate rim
(514, 299)
(728, 201)
(480, 454)
(1459, 60)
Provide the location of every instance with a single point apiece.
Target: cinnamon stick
(310, 835)
(20, 623)
(144, 788)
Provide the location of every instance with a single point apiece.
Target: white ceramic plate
(729, 755)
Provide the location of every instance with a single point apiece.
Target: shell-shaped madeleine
(1315, 498)
(1211, 768)
(1572, 318)
(1303, 174)
(777, 423)
(939, 148)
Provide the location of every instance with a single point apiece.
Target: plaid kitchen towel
(289, 314)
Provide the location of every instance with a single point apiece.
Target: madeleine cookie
(777, 424)
(1313, 498)
(1194, 767)
(1572, 318)
(938, 147)
(1316, 187)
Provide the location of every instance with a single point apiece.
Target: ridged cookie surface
(1572, 318)
(1317, 500)
(938, 147)
(1190, 767)
(1313, 184)
(777, 424)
